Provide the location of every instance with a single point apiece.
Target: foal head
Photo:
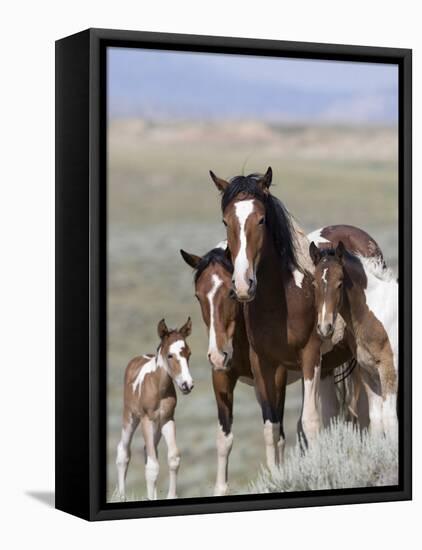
(329, 275)
(219, 310)
(174, 354)
(251, 214)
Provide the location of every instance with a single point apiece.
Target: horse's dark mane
(214, 256)
(277, 217)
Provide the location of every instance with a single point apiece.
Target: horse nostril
(232, 293)
(329, 327)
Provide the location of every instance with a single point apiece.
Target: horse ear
(266, 179)
(219, 182)
(340, 250)
(186, 329)
(162, 329)
(314, 253)
(191, 259)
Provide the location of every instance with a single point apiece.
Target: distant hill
(163, 85)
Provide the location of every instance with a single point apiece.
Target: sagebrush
(342, 457)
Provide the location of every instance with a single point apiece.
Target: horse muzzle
(246, 291)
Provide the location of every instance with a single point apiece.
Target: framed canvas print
(233, 274)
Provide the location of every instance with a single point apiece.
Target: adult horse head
(251, 216)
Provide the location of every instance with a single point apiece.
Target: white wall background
(27, 270)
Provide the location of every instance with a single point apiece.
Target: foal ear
(314, 253)
(340, 250)
(219, 182)
(266, 179)
(186, 329)
(162, 329)
(191, 259)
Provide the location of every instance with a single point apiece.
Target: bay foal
(150, 399)
(365, 293)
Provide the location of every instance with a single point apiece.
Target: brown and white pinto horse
(358, 242)
(228, 348)
(150, 399)
(365, 293)
(272, 277)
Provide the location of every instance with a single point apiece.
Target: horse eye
(261, 221)
(314, 284)
(340, 284)
(169, 356)
(225, 223)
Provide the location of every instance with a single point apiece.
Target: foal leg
(224, 383)
(173, 456)
(311, 367)
(152, 467)
(130, 423)
(388, 378)
(373, 391)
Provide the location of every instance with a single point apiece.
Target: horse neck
(270, 263)
(165, 381)
(353, 308)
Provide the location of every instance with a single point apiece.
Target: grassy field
(161, 199)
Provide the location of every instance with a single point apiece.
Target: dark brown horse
(272, 277)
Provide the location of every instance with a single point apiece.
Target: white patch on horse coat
(298, 277)
(216, 284)
(382, 299)
(241, 264)
(224, 447)
(317, 237)
(324, 277)
(151, 366)
(222, 245)
(176, 349)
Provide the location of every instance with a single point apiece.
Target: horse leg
(388, 378)
(265, 389)
(130, 423)
(375, 402)
(173, 456)
(224, 383)
(151, 467)
(281, 383)
(311, 368)
(328, 401)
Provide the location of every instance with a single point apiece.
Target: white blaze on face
(184, 376)
(212, 342)
(243, 210)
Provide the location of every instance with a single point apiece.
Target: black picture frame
(81, 232)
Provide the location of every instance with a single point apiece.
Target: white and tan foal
(150, 399)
